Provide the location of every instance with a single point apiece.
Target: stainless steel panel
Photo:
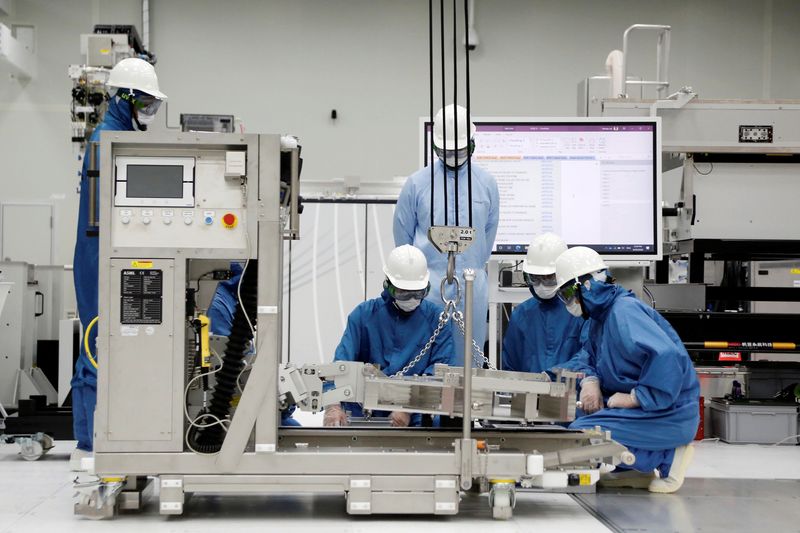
(17, 328)
(141, 376)
(677, 297)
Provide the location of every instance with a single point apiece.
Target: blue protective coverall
(631, 346)
(412, 218)
(378, 333)
(221, 311)
(542, 335)
(223, 304)
(84, 380)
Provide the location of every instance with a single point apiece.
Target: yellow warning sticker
(796, 271)
(142, 264)
(586, 479)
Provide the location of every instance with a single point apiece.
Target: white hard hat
(542, 254)
(135, 73)
(407, 268)
(445, 117)
(577, 262)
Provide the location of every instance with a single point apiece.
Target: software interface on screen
(592, 184)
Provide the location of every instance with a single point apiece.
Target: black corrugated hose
(209, 439)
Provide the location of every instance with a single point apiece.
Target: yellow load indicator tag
(142, 264)
(796, 271)
(585, 479)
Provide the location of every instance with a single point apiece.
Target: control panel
(179, 202)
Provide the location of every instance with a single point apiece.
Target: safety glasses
(536, 280)
(568, 291)
(146, 104)
(448, 154)
(403, 295)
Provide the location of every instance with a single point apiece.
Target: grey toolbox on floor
(754, 421)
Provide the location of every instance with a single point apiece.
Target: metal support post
(466, 438)
(93, 175)
(294, 221)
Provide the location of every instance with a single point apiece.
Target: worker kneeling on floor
(640, 385)
(392, 330)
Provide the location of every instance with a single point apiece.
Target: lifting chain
(444, 318)
(477, 353)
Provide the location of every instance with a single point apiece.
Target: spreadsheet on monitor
(594, 183)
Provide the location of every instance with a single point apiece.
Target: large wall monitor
(595, 182)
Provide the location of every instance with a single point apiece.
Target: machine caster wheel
(501, 507)
(502, 498)
(97, 500)
(34, 447)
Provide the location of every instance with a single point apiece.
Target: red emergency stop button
(229, 220)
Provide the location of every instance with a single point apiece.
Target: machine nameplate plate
(755, 134)
(141, 294)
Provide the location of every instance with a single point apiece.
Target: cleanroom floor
(731, 488)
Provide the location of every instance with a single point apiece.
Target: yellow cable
(86, 341)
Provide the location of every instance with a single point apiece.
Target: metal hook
(451, 267)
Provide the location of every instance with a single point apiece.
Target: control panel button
(209, 220)
(126, 220)
(146, 221)
(167, 220)
(188, 220)
(229, 220)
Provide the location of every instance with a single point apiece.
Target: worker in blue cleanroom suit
(390, 331)
(541, 334)
(412, 216)
(133, 103)
(220, 314)
(223, 304)
(644, 388)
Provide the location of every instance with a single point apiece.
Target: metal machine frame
(380, 471)
(723, 213)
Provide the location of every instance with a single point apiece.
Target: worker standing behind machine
(133, 103)
(642, 385)
(412, 216)
(392, 330)
(541, 334)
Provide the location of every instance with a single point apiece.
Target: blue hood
(597, 299)
(118, 116)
